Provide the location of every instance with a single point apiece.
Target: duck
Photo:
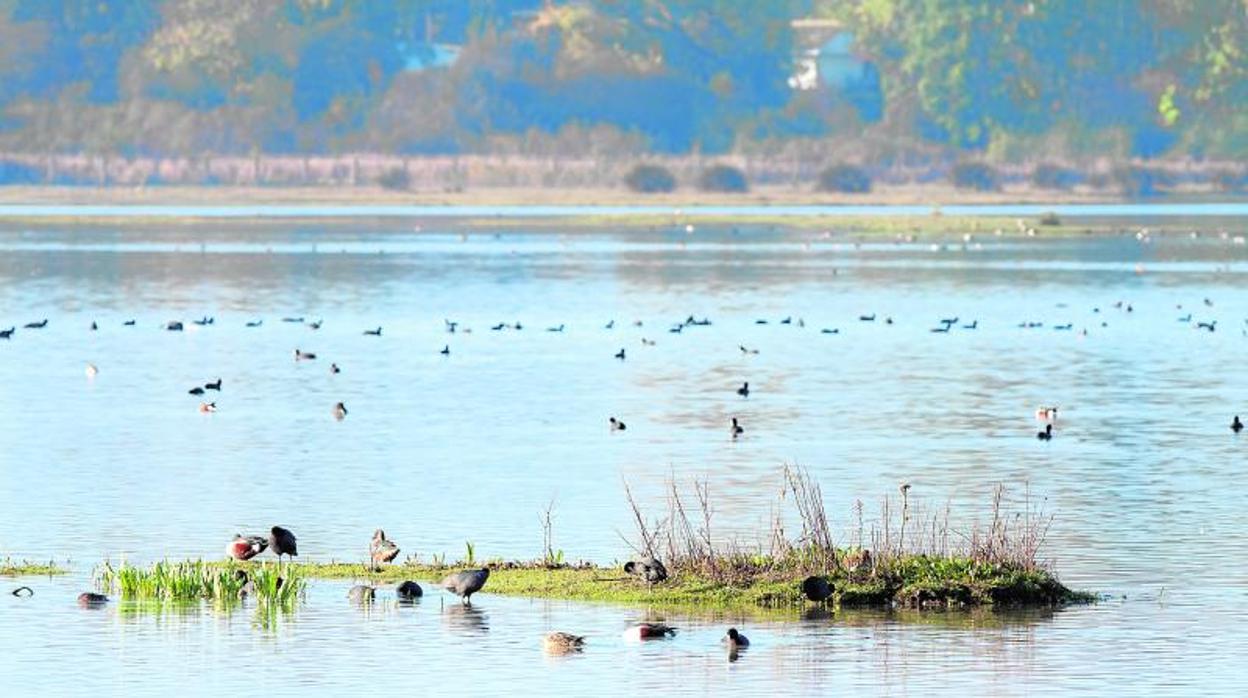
(446, 350)
(7, 334)
(610, 325)
(196, 391)
(943, 329)
(867, 318)
(645, 342)
(207, 407)
(89, 599)
(334, 370)
(361, 594)
(246, 547)
(817, 588)
(974, 324)
(282, 542)
(735, 640)
(830, 330)
(340, 411)
(255, 323)
(736, 428)
(450, 326)
(1046, 414)
(555, 329)
(213, 386)
(373, 333)
(37, 325)
(409, 590)
(304, 355)
(466, 583)
(316, 325)
(204, 321)
(746, 350)
(382, 550)
(500, 326)
(92, 370)
(562, 643)
(173, 326)
(648, 568)
(1236, 425)
(1047, 434)
(292, 319)
(648, 631)
(744, 390)
(620, 354)
(616, 425)
(94, 326)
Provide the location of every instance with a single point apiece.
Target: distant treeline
(885, 82)
(648, 174)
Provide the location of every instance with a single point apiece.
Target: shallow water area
(1144, 478)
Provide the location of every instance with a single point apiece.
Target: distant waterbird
(867, 318)
(466, 583)
(620, 354)
(304, 355)
(649, 631)
(746, 350)
(830, 330)
(409, 590)
(974, 324)
(7, 334)
(316, 325)
(1046, 414)
(173, 326)
(446, 350)
(736, 428)
(1236, 425)
(555, 329)
(293, 319)
(282, 542)
(196, 391)
(246, 547)
(334, 370)
(94, 326)
(1046, 434)
(88, 599)
(36, 325)
(92, 371)
(339, 411)
(373, 333)
(744, 390)
(255, 323)
(735, 640)
(562, 643)
(215, 385)
(382, 550)
(207, 407)
(204, 321)
(129, 323)
(616, 425)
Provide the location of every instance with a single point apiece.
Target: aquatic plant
(276, 585)
(14, 568)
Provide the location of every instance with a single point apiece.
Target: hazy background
(904, 89)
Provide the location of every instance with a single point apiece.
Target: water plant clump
(15, 568)
(269, 584)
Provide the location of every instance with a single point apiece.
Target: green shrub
(725, 178)
(845, 178)
(650, 179)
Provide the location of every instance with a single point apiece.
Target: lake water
(1146, 482)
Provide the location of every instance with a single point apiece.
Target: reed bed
(15, 568)
(274, 585)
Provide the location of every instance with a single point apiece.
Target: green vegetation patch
(13, 568)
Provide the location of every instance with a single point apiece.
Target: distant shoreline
(904, 209)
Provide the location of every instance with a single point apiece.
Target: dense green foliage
(1011, 78)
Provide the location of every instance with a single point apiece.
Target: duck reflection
(470, 619)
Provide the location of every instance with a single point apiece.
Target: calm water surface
(1146, 482)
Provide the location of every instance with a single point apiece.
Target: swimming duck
(446, 350)
(746, 350)
(89, 599)
(293, 319)
(203, 322)
(1047, 434)
(213, 386)
(555, 329)
(562, 643)
(974, 324)
(7, 334)
(361, 594)
(246, 547)
(304, 355)
(196, 391)
(744, 390)
(830, 330)
(373, 333)
(282, 542)
(1236, 425)
(736, 640)
(382, 550)
(499, 326)
(92, 371)
(173, 326)
(129, 323)
(255, 323)
(37, 325)
(648, 342)
(450, 326)
(466, 583)
(409, 590)
(316, 325)
(620, 354)
(207, 407)
(648, 631)
(736, 428)
(616, 425)
(340, 411)
(1046, 414)
(94, 326)
(648, 568)
(867, 318)
(609, 325)
(333, 369)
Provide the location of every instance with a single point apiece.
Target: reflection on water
(1143, 475)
